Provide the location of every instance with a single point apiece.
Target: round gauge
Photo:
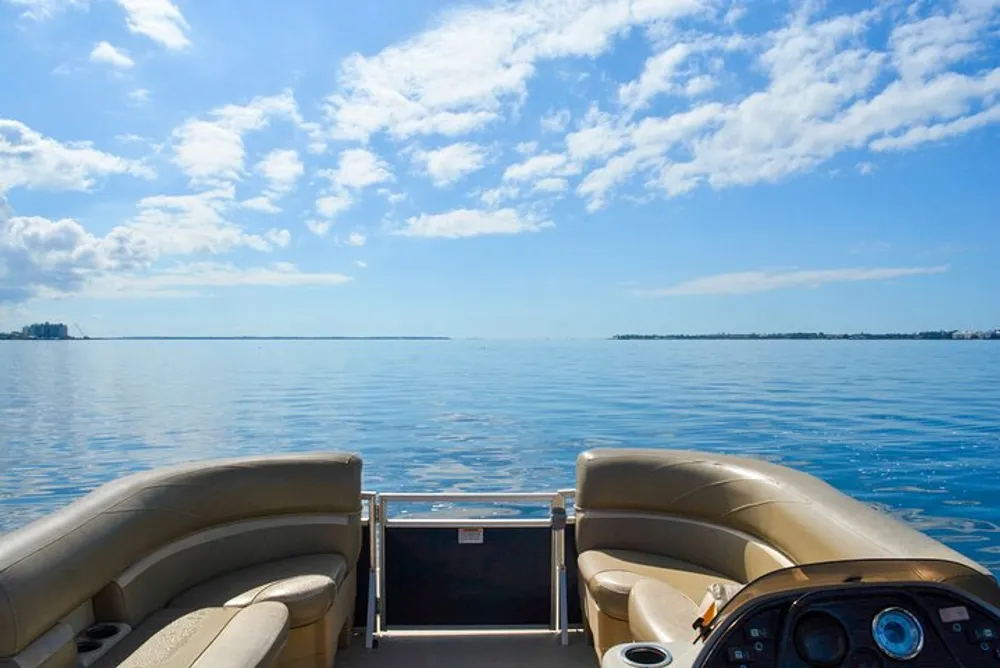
(898, 633)
(820, 640)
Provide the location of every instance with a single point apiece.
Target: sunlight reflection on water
(913, 427)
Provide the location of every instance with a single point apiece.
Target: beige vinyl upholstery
(249, 637)
(688, 519)
(286, 529)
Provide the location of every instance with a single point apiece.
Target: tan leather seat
(222, 537)
(250, 637)
(610, 576)
(306, 585)
(685, 519)
(658, 612)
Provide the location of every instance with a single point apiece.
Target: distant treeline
(940, 335)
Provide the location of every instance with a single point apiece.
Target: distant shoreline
(234, 338)
(944, 335)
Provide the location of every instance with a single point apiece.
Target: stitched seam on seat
(654, 515)
(205, 536)
(723, 482)
(215, 637)
(827, 517)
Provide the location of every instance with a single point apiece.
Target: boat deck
(484, 650)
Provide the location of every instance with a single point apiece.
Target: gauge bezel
(916, 622)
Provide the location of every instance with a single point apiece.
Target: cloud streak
(471, 223)
(184, 280)
(159, 20)
(747, 282)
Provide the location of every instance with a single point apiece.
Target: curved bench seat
(203, 552)
(251, 637)
(610, 576)
(656, 528)
(307, 585)
(658, 612)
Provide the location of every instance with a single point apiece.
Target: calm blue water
(911, 426)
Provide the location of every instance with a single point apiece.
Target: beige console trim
(226, 531)
(774, 552)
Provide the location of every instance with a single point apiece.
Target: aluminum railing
(378, 505)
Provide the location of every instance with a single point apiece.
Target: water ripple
(911, 427)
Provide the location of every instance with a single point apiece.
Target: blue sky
(523, 169)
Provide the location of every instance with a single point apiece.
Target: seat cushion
(250, 637)
(659, 613)
(307, 585)
(611, 574)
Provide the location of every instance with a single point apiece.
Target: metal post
(559, 533)
(564, 496)
(372, 571)
(383, 503)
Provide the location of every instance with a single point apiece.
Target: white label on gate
(470, 536)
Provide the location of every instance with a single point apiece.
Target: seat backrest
(52, 566)
(739, 516)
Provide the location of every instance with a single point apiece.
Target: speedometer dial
(898, 633)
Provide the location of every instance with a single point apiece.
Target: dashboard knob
(820, 640)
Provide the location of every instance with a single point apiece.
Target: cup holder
(648, 656)
(84, 646)
(101, 631)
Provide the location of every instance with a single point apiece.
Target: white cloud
(474, 63)
(184, 279)
(658, 76)
(539, 166)
(318, 227)
(471, 223)
(865, 168)
(212, 151)
(937, 132)
(329, 206)
(28, 159)
(186, 224)
(41, 10)
(358, 168)
(447, 165)
(261, 204)
(110, 55)
(37, 254)
(699, 85)
(762, 281)
(495, 196)
(139, 95)
(598, 137)
(391, 197)
(282, 168)
(526, 147)
(556, 121)
(927, 46)
(356, 239)
(159, 20)
(648, 141)
(280, 238)
(551, 185)
(735, 14)
(361, 263)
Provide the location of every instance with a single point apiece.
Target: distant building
(45, 330)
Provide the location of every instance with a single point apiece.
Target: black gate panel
(361, 599)
(433, 580)
(574, 614)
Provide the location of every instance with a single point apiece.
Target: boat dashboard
(857, 625)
